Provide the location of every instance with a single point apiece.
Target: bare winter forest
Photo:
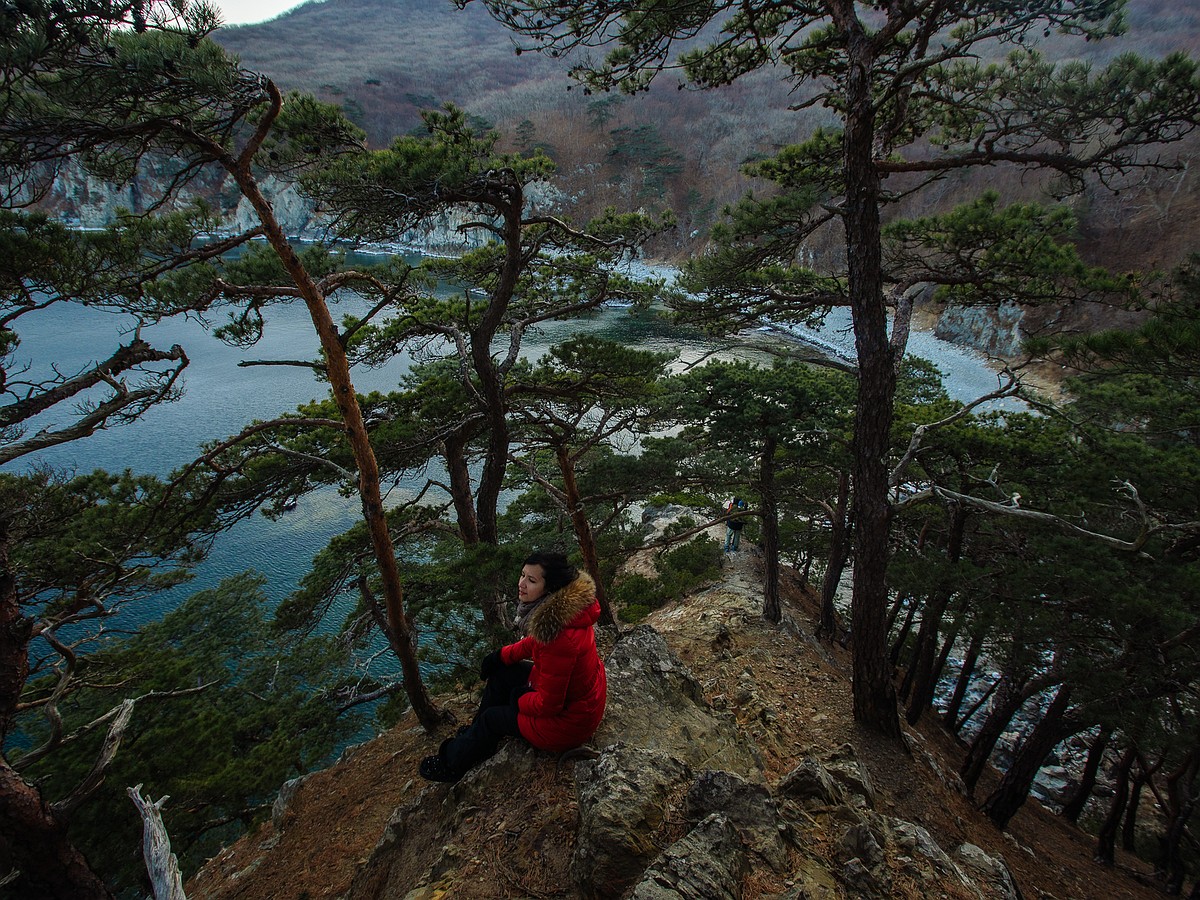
(671, 147)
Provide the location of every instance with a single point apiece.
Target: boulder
(914, 841)
(852, 775)
(989, 875)
(749, 807)
(649, 689)
(707, 864)
(810, 784)
(624, 796)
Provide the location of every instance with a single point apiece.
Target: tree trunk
(34, 841)
(338, 371)
(161, 863)
(874, 693)
(1181, 802)
(974, 648)
(924, 681)
(461, 495)
(947, 647)
(1009, 698)
(33, 838)
(583, 532)
(839, 553)
(1106, 840)
(1073, 808)
(806, 569)
(1013, 789)
(1129, 823)
(491, 381)
(903, 633)
(15, 633)
(772, 611)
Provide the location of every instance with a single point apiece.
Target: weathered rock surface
(624, 799)
(655, 702)
(674, 806)
(992, 330)
(707, 864)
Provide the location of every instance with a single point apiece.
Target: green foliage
(641, 148)
(95, 540)
(984, 254)
(226, 715)
(378, 194)
(680, 570)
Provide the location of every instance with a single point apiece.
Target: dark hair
(558, 570)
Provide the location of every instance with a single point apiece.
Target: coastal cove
(221, 396)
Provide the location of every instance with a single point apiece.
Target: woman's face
(532, 584)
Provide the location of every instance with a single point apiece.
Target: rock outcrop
(673, 804)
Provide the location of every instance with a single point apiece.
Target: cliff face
(727, 766)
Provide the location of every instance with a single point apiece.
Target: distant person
(549, 687)
(734, 525)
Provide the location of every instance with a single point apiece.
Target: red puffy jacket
(566, 704)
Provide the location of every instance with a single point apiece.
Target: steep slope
(776, 705)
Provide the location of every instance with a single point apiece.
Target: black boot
(435, 768)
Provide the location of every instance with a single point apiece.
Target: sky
(244, 12)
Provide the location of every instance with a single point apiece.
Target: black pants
(496, 719)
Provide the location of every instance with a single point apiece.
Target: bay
(220, 397)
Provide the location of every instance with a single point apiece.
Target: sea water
(220, 397)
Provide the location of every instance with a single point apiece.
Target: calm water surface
(220, 398)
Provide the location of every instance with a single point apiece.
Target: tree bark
(1182, 798)
(903, 633)
(1073, 808)
(925, 656)
(1106, 840)
(1010, 794)
(161, 863)
(772, 611)
(338, 371)
(874, 692)
(491, 381)
(947, 647)
(33, 839)
(460, 488)
(15, 633)
(583, 532)
(965, 674)
(1010, 695)
(839, 553)
(1129, 823)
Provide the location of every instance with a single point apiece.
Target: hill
(385, 60)
(729, 717)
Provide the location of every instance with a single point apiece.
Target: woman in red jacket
(549, 687)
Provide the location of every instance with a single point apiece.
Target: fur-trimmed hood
(562, 608)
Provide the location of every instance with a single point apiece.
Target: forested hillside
(385, 60)
(1023, 565)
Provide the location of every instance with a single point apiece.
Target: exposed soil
(790, 693)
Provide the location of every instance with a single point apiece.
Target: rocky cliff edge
(727, 767)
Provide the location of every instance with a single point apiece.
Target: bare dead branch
(299, 363)
(113, 714)
(127, 357)
(161, 864)
(1013, 510)
(1007, 390)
